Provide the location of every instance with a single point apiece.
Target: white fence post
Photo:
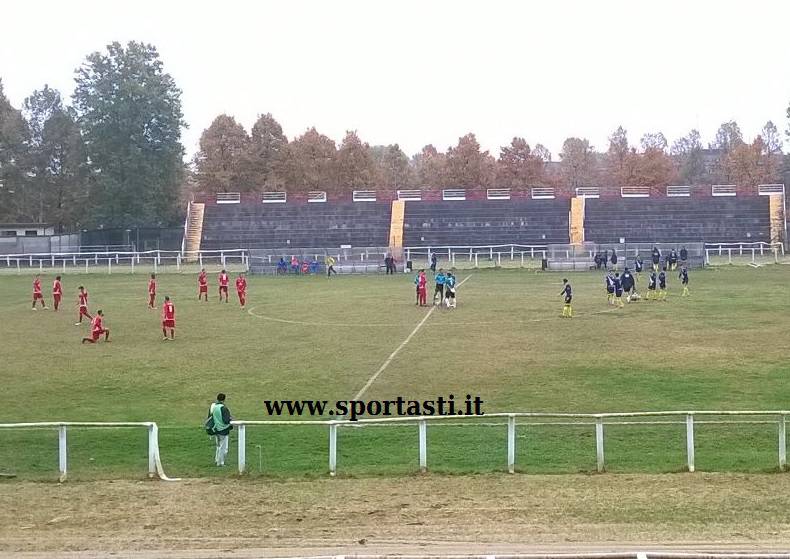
(332, 448)
(690, 442)
(511, 443)
(599, 457)
(423, 446)
(62, 452)
(242, 447)
(782, 443)
(109, 265)
(178, 262)
(153, 444)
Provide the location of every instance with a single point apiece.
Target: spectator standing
(220, 414)
(433, 262)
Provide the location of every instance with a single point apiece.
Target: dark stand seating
(488, 222)
(647, 220)
(319, 225)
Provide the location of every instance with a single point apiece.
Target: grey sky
(418, 72)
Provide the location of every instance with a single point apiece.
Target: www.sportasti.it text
(359, 409)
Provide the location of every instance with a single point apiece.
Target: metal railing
(122, 261)
(155, 468)
(598, 420)
(751, 253)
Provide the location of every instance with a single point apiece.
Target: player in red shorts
(57, 292)
(152, 291)
(168, 319)
(37, 292)
(241, 289)
(97, 329)
(223, 285)
(82, 298)
(203, 285)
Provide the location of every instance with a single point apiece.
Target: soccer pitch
(724, 348)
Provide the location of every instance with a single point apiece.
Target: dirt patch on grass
(407, 515)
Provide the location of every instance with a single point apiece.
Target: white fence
(751, 253)
(123, 261)
(598, 420)
(475, 256)
(657, 554)
(154, 460)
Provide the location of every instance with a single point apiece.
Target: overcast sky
(419, 72)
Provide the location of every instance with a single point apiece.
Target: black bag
(208, 425)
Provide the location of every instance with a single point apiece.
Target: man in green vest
(222, 418)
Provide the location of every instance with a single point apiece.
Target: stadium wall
(475, 216)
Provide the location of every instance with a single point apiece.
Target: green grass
(725, 347)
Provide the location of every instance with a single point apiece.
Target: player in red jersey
(57, 292)
(97, 329)
(37, 292)
(168, 319)
(241, 289)
(82, 298)
(152, 291)
(203, 285)
(223, 285)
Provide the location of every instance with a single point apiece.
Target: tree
(771, 139)
(618, 158)
(728, 136)
(311, 162)
(430, 167)
(578, 162)
(519, 166)
(267, 152)
(13, 141)
(223, 163)
(467, 166)
(129, 111)
(686, 153)
(750, 164)
(542, 153)
(56, 160)
(355, 167)
(654, 141)
(393, 170)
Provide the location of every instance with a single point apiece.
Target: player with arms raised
(223, 285)
(203, 285)
(168, 319)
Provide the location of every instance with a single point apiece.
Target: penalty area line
(403, 344)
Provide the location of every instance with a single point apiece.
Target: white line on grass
(386, 363)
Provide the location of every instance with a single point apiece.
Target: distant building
(26, 230)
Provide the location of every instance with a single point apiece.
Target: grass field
(725, 347)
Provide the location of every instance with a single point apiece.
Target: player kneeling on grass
(618, 290)
(97, 329)
(567, 292)
(168, 319)
(449, 291)
(218, 425)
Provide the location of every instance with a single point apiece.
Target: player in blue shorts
(609, 282)
(651, 286)
(618, 290)
(662, 285)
